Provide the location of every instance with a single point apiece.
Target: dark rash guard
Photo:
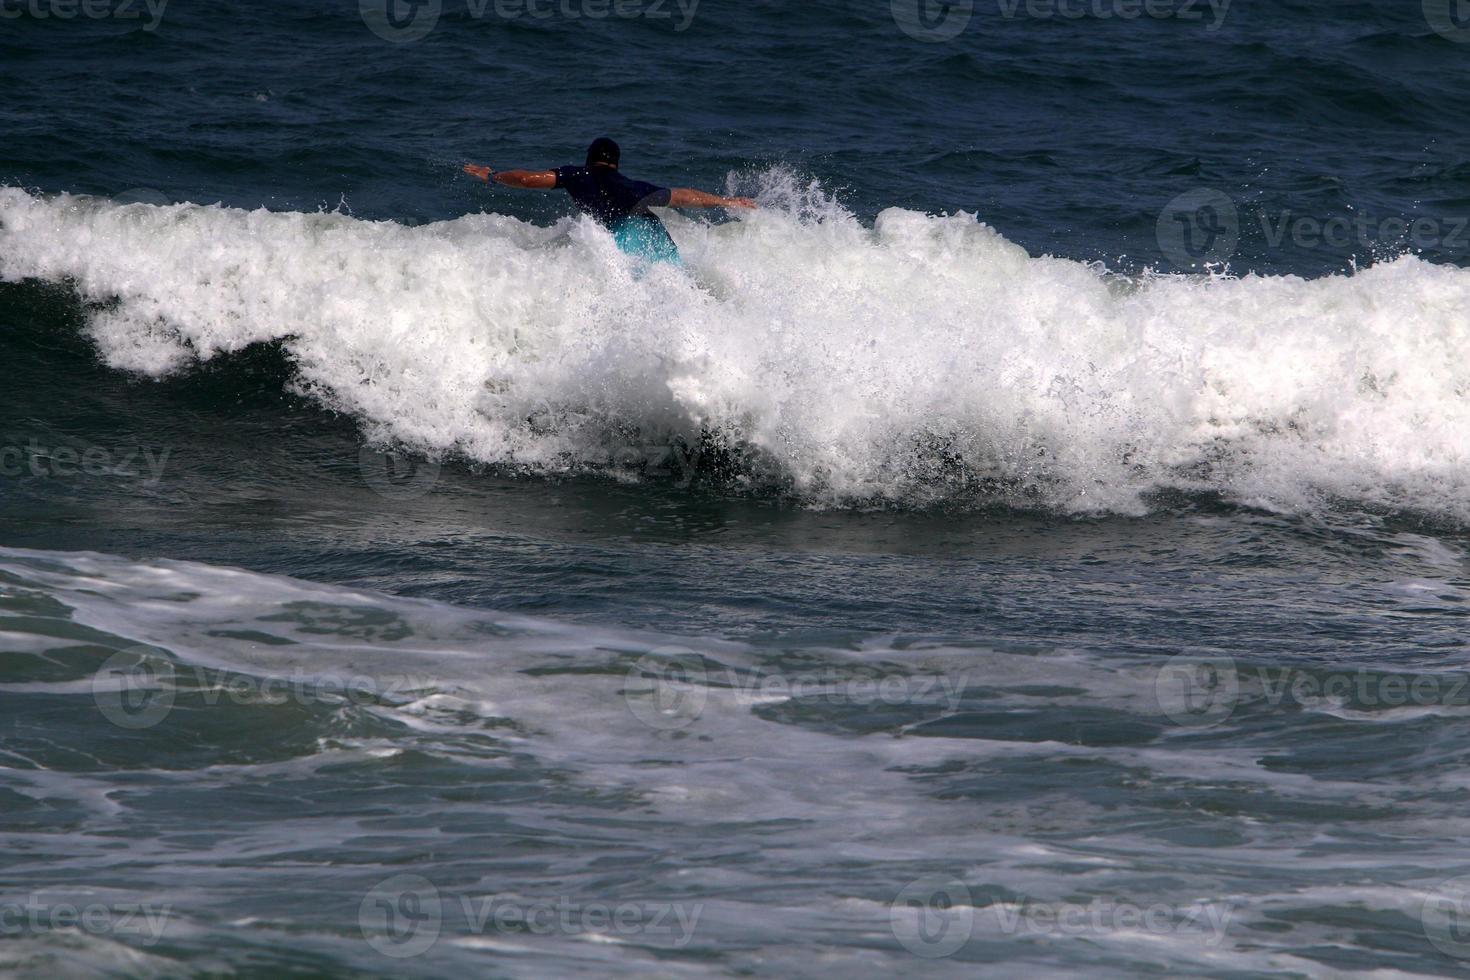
(608, 196)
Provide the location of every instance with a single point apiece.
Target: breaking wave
(921, 360)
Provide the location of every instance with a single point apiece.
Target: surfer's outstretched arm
(535, 180)
(687, 197)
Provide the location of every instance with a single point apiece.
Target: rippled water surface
(1033, 542)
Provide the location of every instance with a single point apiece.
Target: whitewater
(923, 360)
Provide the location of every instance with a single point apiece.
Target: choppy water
(1034, 542)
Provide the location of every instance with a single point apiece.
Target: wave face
(922, 360)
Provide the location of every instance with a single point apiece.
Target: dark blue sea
(1034, 542)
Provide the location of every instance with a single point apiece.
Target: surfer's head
(603, 153)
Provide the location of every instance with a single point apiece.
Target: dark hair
(603, 150)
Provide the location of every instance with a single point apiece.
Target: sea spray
(925, 359)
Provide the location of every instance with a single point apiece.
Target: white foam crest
(923, 358)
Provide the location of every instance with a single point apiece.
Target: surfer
(619, 203)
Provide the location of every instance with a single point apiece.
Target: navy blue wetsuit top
(610, 197)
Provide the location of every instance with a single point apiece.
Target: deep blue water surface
(392, 592)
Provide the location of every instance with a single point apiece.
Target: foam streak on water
(524, 760)
(922, 359)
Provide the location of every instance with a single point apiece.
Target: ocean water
(1035, 542)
